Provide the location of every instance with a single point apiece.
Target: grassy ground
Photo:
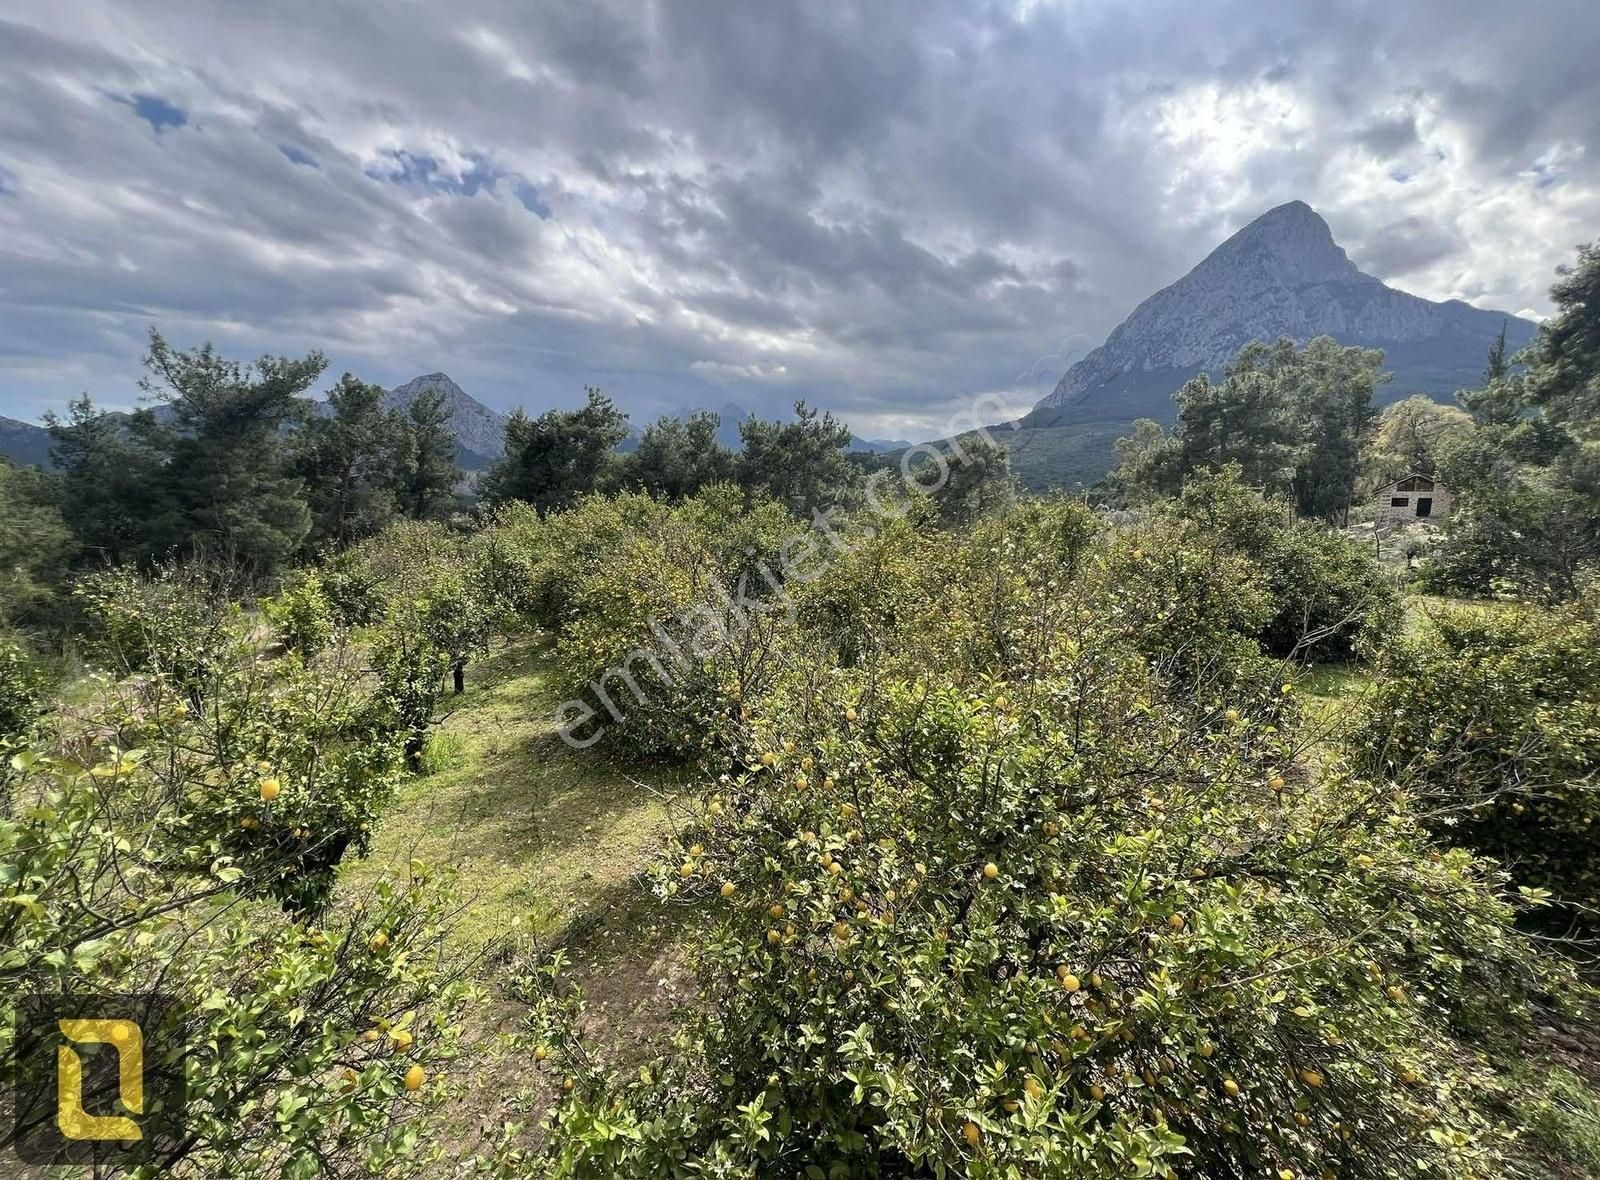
(537, 832)
(545, 841)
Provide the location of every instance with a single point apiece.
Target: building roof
(1394, 483)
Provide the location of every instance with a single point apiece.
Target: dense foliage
(1292, 419)
(1017, 867)
(177, 828)
(1493, 719)
(1010, 848)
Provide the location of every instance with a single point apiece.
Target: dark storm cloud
(884, 206)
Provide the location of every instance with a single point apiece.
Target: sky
(888, 207)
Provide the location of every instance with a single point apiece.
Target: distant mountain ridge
(1281, 275)
(24, 443)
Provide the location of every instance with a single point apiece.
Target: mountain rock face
(1281, 275)
(480, 432)
(24, 443)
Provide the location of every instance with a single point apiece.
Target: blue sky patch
(296, 156)
(154, 110)
(8, 182)
(420, 170)
(531, 200)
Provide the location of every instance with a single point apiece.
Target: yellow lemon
(269, 789)
(991, 871)
(415, 1077)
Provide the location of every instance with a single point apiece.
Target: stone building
(1412, 499)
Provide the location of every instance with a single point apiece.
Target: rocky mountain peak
(480, 432)
(1281, 275)
(428, 383)
(1291, 240)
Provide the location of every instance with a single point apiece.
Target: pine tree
(1498, 365)
(429, 472)
(225, 487)
(553, 459)
(351, 460)
(801, 463)
(676, 458)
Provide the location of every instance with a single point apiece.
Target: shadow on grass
(534, 829)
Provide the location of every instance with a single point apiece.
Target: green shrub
(353, 594)
(22, 693)
(1066, 928)
(1329, 597)
(1528, 540)
(301, 615)
(659, 635)
(171, 624)
(282, 1078)
(1492, 716)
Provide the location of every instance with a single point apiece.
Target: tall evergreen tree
(977, 480)
(553, 459)
(1499, 364)
(1565, 380)
(109, 480)
(802, 463)
(226, 487)
(428, 472)
(1292, 419)
(676, 458)
(351, 463)
(35, 547)
(1330, 388)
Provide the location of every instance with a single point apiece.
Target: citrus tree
(307, 1046)
(1492, 718)
(1052, 888)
